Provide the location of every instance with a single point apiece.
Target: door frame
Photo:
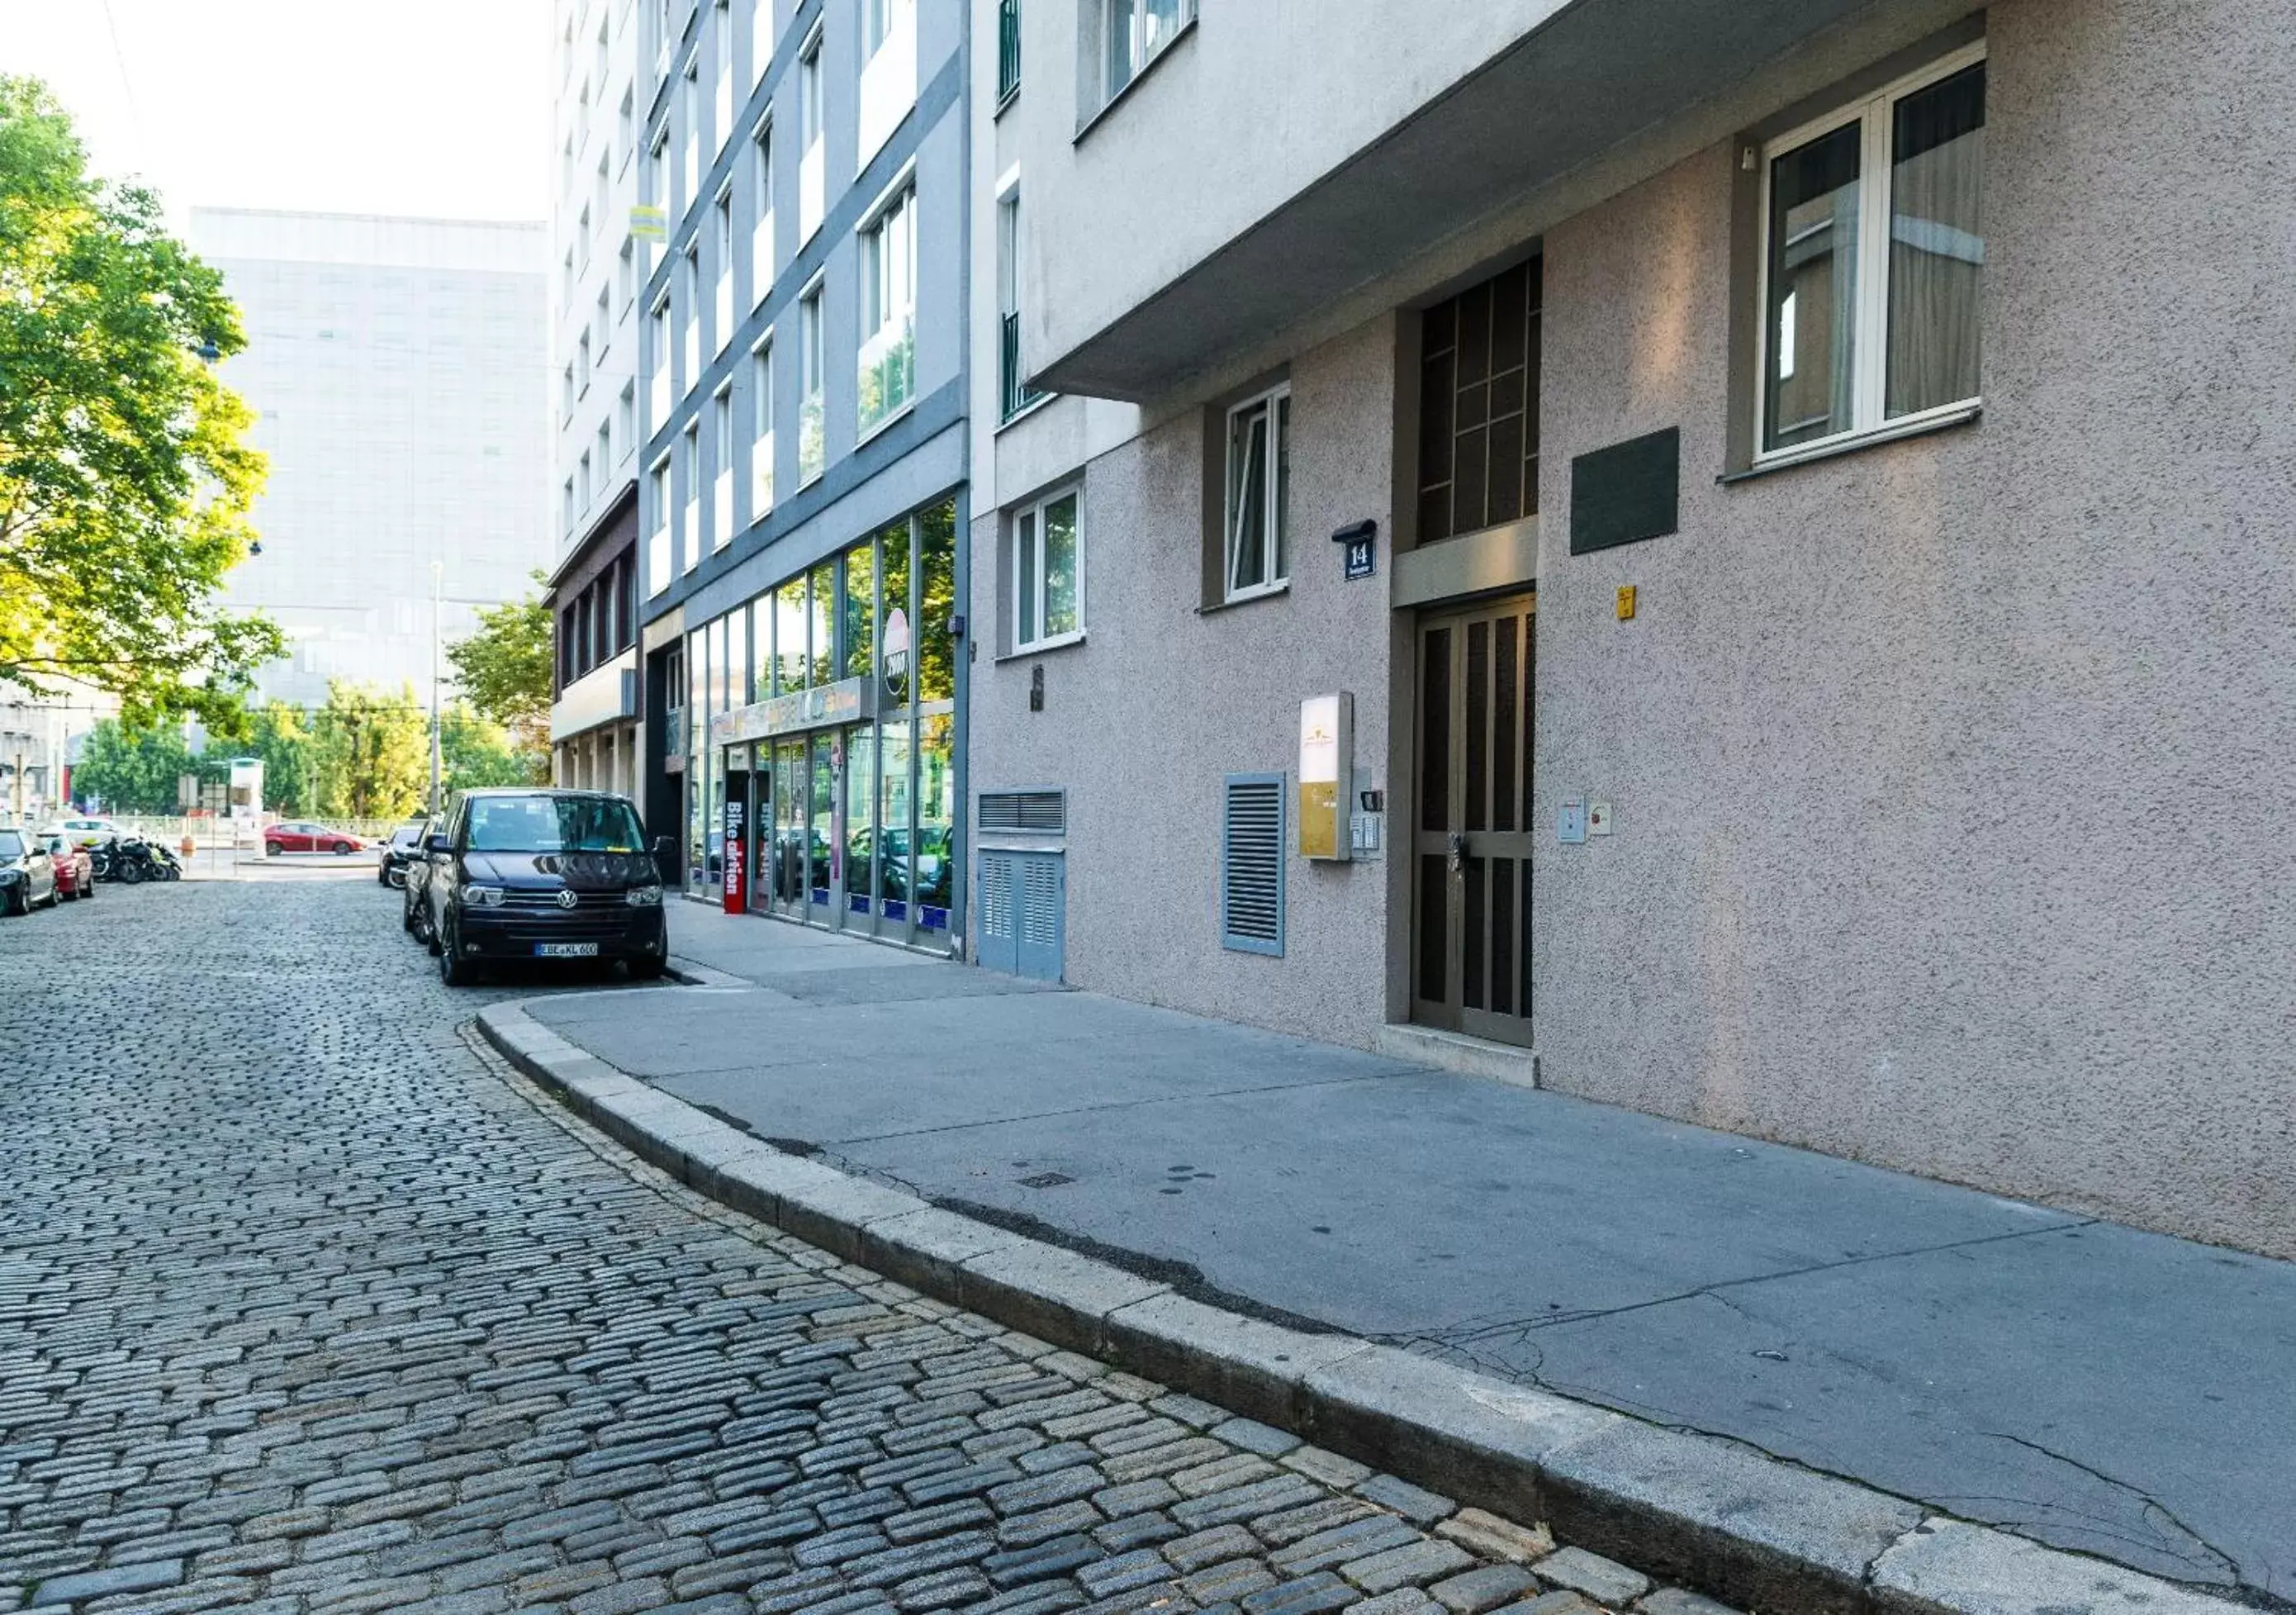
(1472, 846)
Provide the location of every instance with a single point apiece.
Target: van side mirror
(664, 848)
(438, 844)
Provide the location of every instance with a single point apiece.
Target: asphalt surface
(2089, 1385)
(306, 1303)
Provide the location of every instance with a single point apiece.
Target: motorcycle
(165, 865)
(102, 863)
(135, 860)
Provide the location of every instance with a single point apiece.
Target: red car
(75, 871)
(300, 835)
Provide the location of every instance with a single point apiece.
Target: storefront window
(696, 731)
(937, 851)
(860, 636)
(788, 635)
(937, 566)
(860, 808)
(934, 871)
(899, 652)
(897, 846)
(822, 616)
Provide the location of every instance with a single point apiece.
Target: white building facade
(392, 364)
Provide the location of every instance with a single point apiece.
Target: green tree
(477, 753)
(369, 752)
(124, 485)
(139, 770)
(281, 735)
(505, 670)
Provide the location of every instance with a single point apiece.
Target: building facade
(391, 365)
(1761, 483)
(599, 267)
(802, 495)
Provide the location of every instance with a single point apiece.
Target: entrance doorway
(1470, 840)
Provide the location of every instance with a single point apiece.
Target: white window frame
(1271, 489)
(811, 122)
(1032, 514)
(1139, 53)
(880, 296)
(762, 420)
(813, 367)
(1870, 368)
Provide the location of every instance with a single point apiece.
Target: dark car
(404, 848)
(544, 874)
(415, 883)
(28, 873)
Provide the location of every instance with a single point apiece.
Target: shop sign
(846, 702)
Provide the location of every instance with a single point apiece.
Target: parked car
(300, 835)
(414, 884)
(404, 848)
(75, 868)
(91, 832)
(545, 874)
(28, 873)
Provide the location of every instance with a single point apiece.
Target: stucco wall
(1952, 778)
(1141, 721)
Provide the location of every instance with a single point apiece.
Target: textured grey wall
(1142, 720)
(1952, 778)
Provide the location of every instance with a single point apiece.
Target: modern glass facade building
(802, 502)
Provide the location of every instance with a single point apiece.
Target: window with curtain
(1874, 261)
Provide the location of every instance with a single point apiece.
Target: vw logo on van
(567, 899)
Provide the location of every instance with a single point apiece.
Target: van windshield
(553, 824)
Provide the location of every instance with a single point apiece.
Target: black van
(544, 874)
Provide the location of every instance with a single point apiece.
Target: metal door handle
(1456, 854)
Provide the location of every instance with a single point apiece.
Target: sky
(434, 108)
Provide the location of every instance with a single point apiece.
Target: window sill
(1026, 410)
(1188, 29)
(878, 428)
(1897, 431)
(1043, 647)
(1248, 597)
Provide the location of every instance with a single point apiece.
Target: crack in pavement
(2225, 1562)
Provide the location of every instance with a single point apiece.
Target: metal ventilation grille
(1040, 903)
(1251, 864)
(996, 896)
(1043, 812)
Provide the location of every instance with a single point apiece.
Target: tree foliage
(369, 752)
(505, 670)
(138, 771)
(477, 753)
(124, 486)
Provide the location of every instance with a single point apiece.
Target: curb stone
(1712, 1515)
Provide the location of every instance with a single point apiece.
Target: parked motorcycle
(135, 860)
(165, 865)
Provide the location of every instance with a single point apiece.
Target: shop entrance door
(790, 782)
(1471, 838)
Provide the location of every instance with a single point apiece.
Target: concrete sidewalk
(2085, 1384)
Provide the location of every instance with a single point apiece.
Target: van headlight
(642, 896)
(483, 897)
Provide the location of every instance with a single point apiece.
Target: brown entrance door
(1470, 840)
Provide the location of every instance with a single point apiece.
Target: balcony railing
(1008, 47)
(1018, 394)
(721, 511)
(889, 372)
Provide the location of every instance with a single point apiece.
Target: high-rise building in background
(597, 265)
(395, 367)
(803, 346)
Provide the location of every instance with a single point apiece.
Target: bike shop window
(1873, 260)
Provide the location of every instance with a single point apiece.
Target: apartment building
(599, 263)
(802, 497)
(391, 365)
(1725, 560)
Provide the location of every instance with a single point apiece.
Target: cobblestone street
(307, 1304)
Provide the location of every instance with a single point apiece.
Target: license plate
(565, 950)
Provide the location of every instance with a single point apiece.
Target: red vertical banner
(736, 897)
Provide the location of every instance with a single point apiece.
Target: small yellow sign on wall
(1626, 603)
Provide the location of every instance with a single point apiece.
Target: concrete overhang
(1596, 73)
(608, 693)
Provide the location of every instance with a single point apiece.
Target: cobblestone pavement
(307, 1303)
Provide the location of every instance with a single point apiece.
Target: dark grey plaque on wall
(1625, 492)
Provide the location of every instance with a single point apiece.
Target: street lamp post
(437, 635)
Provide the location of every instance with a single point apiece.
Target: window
(761, 198)
(658, 404)
(888, 301)
(1874, 259)
(1479, 405)
(624, 121)
(582, 237)
(761, 429)
(721, 459)
(598, 189)
(601, 320)
(582, 365)
(693, 291)
(1008, 49)
(658, 543)
(692, 146)
(812, 160)
(1047, 602)
(582, 481)
(1131, 34)
(566, 504)
(605, 451)
(625, 416)
(1016, 394)
(1258, 483)
(567, 294)
(690, 529)
(1251, 864)
(812, 450)
(879, 20)
(566, 392)
(625, 271)
(809, 91)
